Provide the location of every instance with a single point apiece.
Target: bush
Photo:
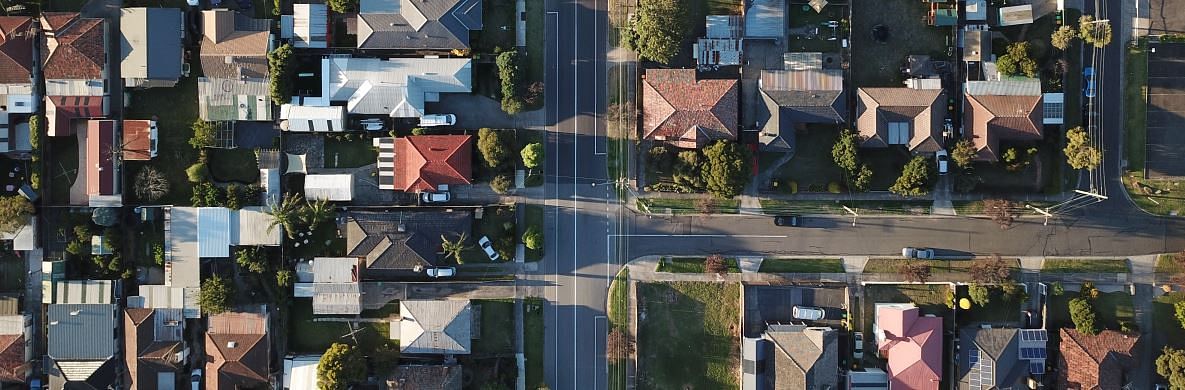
(914, 272)
(533, 238)
(834, 188)
(532, 155)
(36, 122)
(1179, 312)
(660, 158)
(279, 70)
(203, 134)
(418, 131)
(341, 6)
(715, 264)
(979, 294)
(501, 184)
(727, 169)
(913, 178)
(1171, 365)
(158, 253)
(1083, 316)
(509, 73)
(492, 146)
(197, 173)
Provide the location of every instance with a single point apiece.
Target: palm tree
(316, 212)
(454, 248)
(285, 214)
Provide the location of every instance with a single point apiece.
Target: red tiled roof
(137, 141)
(80, 52)
(146, 357)
(685, 111)
(16, 49)
(67, 108)
(993, 118)
(1098, 361)
(425, 161)
(236, 351)
(100, 168)
(12, 358)
(921, 109)
(913, 346)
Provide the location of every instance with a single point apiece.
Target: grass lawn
(1085, 265)
(12, 272)
(788, 266)
(975, 207)
(1157, 196)
(997, 179)
(174, 124)
(1001, 309)
(812, 167)
(1112, 308)
(800, 17)
(878, 207)
(535, 51)
(534, 218)
(1165, 320)
(63, 170)
(533, 326)
(886, 165)
(618, 319)
(308, 336)
(497, 327)
(237, 165)
(498, 224)
(877, 64)
(691, 265)
(687, 206)
(689, 339)
(938, 268)
(323, 242)
(1135, 92)
(349, 154)
(1166, 265)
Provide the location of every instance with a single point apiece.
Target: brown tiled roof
(12, 358)
(248, 52)
(1098, 362)
(685, 111)
(237, 350)
(16, 49)
(992, 118)
(137, 142)
(423, 162)
(922, 108)
(80, 52)
(145, 357)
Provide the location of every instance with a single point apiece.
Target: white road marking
(699, 235)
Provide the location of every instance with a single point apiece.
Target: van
(438, 120)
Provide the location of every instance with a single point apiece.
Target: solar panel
(1032, 353)
(1034, 335)
(1037, 367)
(982, 372)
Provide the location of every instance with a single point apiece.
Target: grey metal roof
(81, 331)
(765, 19)
(377, 237)
(782, 110)
(234, 99)
(435, 327)
(417, 24)
(1010, 87)
(150, 43)
(397, 87)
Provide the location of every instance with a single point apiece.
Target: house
(396, 87)
(312, 118)
(82, 342)
(159, 296)
(1002, 110)
(425, 377)
(154, 348)
(901, 116)
(434, 327)
(422, 163)
(765, 19)
(310, 26)
(102, 168)
(62, 111)
(205, 232)
(300, 372)
(74, 54)
(15, 350)
(16, 65)
(151, 53)
(721, 44)
(334, 287)
(911, 343)
(1099, 362)
(687, 112)
(331, 187)
(1000, 358)
(234, 47)
(139, 140)
(803, 93)
(238, 350)
(402, 243)
(228, 99)
(791, 356)
(417, 25)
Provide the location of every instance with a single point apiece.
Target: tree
(279, 70)
(501, 184)
(1017, 61)
(203, 134)
(979, 294)
(286, 214)
(914, 272)
(532, 155)
(251, 259)
(150, 184)
(660, 26)
(1002, 211)
(197, 172)
(1058, 290)
(340, 366)
(455, 247)
(1083, 316)
(1080, 151)
(317, 212)
(1063, 37)
(963, 153)
(509, 63)
(1096, 33)
(492, 147)
(215, 295)
(913, 178)
(845, 152)
(714, 264)
(1171, 365)
(342, 6)
(861, 180)
(992, 270)
(618, 345)
(14, 213)
(1179, 311)
(105, 216)
(533, 238)
(727, 169)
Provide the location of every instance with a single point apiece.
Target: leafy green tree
(533, 238)
(963, 154)
(532, 155)
(1171, 365)
(251, 259)
(1017, 61)
(979, 294)
(913, 178)
(158, 253)
(1096, 33)
(861, 180)
(1083, 316)
(660, 27)
(845, 152)
(215, 295)
(279, 71)
(342, 6)
(454, 248)
(340, 366)
(492, 147)
(509, 72)
(284, 278)
(1080, 152)
(1063, 37)
(14, 213)
(197, 172)
(203, 134)
(286, 214)
(316, 212)
(727, 169)
(501, 184)
(1179, 311)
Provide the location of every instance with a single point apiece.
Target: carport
(1166, 110)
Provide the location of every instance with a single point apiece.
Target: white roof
(300, 372)
(183, 268)
(312, 118)
(309, 25)
(976, 9)
(12, 324)
(397, 87)
(215, 231)
(23, 239)
(302, 290)
(253, 228)
(337, 298)
(335, 270)
(270, 181)
(1017, 14)
(336, 187)
(1017, 86)
(83, 292)
(765, 19)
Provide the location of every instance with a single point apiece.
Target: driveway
(475, 111)
(770, 304)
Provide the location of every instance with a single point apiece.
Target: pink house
(912, 343)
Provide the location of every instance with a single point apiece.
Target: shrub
(727, 169)
(834, 188)
(979, 294)
(1083, 316)
(418, 131)
(913, 178)
(14, 213)
(203, 134)
(279, 70)
(197, 173)
(533, 238)
(914, 272)
(492, 147)
(215, 295)
(158, 253)
(501, 184)
(508, 63)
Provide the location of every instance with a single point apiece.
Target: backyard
(812, 169)
(689, 338)
(309, 336)
(810, 266)
(233, 165)
(174, 123)
(322, 241)
(803, 22)
(878, 64)
(349, 153)
(692, 265)
(886, 164)
(63, 169)
(929, 298)
(12, 271)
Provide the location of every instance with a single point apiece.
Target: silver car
(488, 248)
(809, 313)
(917, 253)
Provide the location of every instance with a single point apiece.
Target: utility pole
(1042, 212)
(854, 213)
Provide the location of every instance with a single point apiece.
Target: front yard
(1112, 309)
(930, 299)
(497, 223)
(1002, 309)
(533, 214)
(533, 327)
(1157, 196)
(1085, 266)
(878, 64)
(689, 338)
(691, 265)
(1163, 315)
(812, 169)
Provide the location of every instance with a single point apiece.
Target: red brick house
(687, 112)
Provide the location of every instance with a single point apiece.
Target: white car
(438, 120)
(808, 313)
(943, 159)
(488, 247)
(858, 339)
(435, 197)
(442, 272)
(195, 379)
(917, 253)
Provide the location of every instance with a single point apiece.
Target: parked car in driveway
(435, 197)
(809, 313)
(195, 379)
(488, 248)
(442, 272)
(858, 340)
(792, 220)
(910, 252)
(943, 159)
